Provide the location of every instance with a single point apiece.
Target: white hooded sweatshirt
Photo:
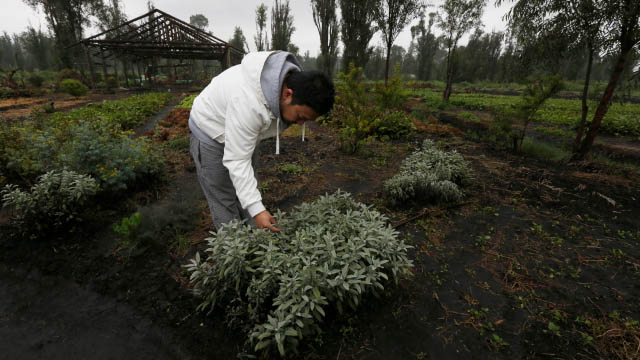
(233, 110)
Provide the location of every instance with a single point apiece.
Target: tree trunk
(386, 68)
(585, 107)
(627, 46)
(447, 89)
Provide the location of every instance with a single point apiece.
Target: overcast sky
(224, 15)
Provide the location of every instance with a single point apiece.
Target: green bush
(360, 118)
(73, 87)
(114, 159)
(391, 95)
(111, 83)
(330, 253)
(35, 80)
(428, 174)
(68, 74)
(53, 204)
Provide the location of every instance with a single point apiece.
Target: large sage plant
(428, 174)
(329, 253)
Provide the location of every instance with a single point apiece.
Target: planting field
(621, 118)
(537, 259)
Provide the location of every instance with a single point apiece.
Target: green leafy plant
(187, 102)
(330, 253)
(428, 174)
(73, 87)
(292, 168)
(129, 229)
(53, 204)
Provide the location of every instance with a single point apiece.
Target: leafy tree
(200, 21)
(479, 58)
(238, 40)
(66, 19)
(602, 26)
(281, 25)
(261, 40)
(457, 18)
(110, 15)
(357, 28)
(324, 16)
(426, 46)
(392, 16)
(37, 48)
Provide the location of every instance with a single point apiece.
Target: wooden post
(124, 69)
(90, 63)
(104, 66)
(115, 71)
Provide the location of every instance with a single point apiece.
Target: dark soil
(540, 260)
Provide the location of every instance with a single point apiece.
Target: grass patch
(544, 151)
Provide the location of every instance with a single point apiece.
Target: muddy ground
(540, 260)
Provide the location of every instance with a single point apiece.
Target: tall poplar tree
(324, 16)
(281, 25)
(392, 16)
(457, 18)
(357, 27)
(66, 19)
(261, 40)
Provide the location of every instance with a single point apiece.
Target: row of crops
(95, 140)
(621, 118)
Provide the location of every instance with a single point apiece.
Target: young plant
(330, 253)
(428, 174)
(536, 93)
(128, 229)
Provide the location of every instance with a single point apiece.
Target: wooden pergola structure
(150, 37)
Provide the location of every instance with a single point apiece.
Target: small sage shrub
(330, 253)
(429, 174)
(54, 203)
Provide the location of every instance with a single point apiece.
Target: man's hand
(264, 220)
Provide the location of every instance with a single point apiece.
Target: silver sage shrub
(54, 203)
(428, 174)
(329, 253)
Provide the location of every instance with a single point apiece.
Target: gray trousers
(216, 183)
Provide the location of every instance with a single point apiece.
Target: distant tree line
(568, 46)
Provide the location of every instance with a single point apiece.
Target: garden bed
(539, 260)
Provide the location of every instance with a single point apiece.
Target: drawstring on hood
(275, 70)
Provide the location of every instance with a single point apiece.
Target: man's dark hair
(311, 88)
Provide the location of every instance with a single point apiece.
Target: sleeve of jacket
(242, 129)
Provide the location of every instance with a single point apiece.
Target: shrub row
(88, 141)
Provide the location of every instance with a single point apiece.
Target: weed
(497, 343)
(292, 168)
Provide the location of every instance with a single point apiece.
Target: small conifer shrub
(330, 253)
(428, 174)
